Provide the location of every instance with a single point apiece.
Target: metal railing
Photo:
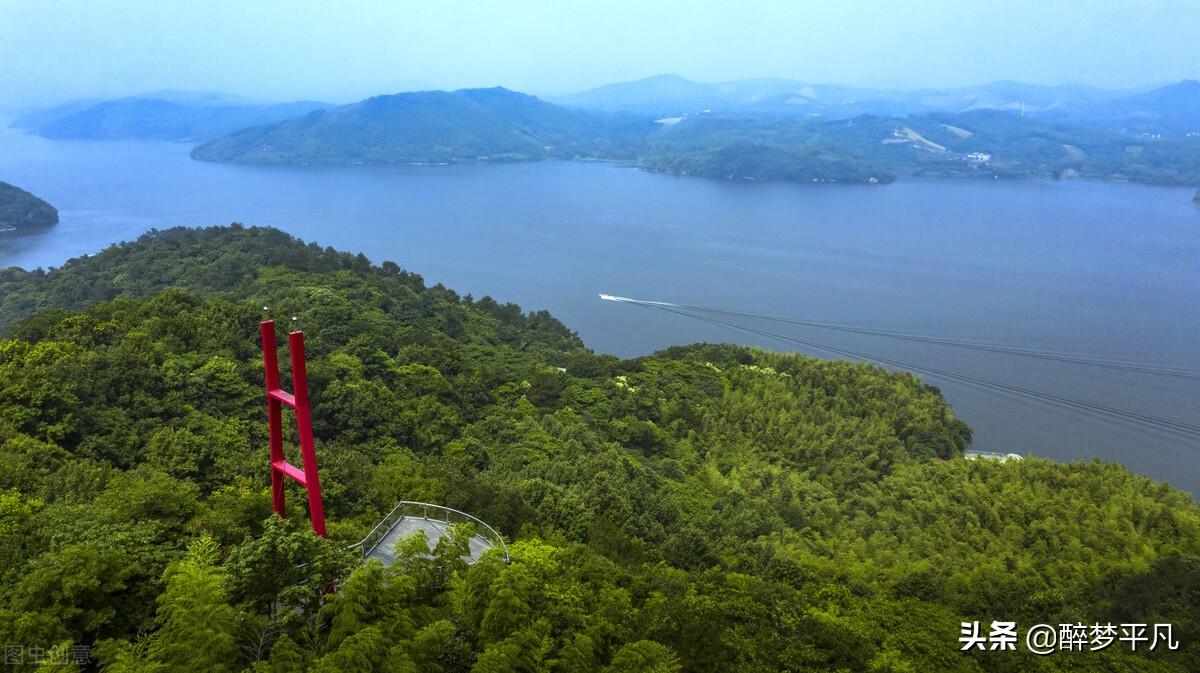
(440, 514)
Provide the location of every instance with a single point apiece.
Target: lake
(1085, 267)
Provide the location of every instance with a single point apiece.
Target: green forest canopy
(706, 508)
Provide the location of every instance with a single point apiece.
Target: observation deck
(435, 521)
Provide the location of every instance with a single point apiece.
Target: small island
(1196, 198)
(21, 210)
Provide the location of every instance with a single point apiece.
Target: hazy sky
(342, 50)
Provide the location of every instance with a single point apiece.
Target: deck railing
(430, 512)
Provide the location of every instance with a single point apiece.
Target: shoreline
(627, 163)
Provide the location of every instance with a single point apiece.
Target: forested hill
(21, 210)
(176, 116)
(430, 127)
(707, 508)
(983, 144)
(473, 125)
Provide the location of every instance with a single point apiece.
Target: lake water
(1105, 269)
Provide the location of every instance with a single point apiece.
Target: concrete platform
(434, 530)
(435, 521)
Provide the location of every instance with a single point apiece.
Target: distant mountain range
(675, 95)
(431, 127)
(163, 115)
(1170, 109)
(1173, 109)
(21, 210)
(472, 125)
(670, 95)
(761, 129)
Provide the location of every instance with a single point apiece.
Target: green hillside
(706, 508)
(976, 145)
(21, 210)
(426, 127)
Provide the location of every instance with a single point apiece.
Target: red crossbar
(276, 399)
(284, 396)
(290, 470)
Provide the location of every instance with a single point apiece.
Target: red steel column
(308, 451)
(274, 414)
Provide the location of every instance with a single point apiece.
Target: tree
(86, 586)
(196, 626)
(286, 657)
(357, 604)
(60, 659)
(120, 656)
(364, 650)
(644, 656)
(283, 571)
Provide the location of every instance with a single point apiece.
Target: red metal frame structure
(276, 398)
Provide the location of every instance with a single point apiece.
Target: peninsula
(21, 210)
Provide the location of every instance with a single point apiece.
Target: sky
(345, 50)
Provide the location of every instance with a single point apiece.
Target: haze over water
(1099, 268)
